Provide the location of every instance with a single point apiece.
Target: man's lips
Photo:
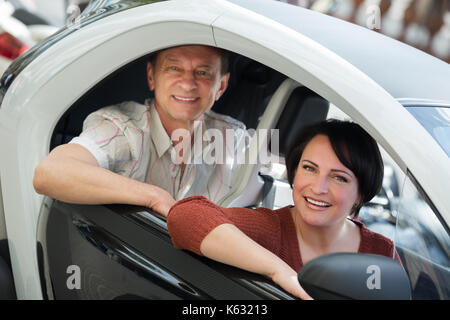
(317, 203)
(185, 99)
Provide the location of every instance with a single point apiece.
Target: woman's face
(324, 189)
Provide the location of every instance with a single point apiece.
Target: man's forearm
(71, 174)
(74, 181)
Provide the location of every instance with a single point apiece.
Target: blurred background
(424, 24)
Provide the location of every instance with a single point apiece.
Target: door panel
(117, 253)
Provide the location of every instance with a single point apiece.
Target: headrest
(250, 88)
(304, 107)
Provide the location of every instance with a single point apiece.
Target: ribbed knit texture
(190, 220)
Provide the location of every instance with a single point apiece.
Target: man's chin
(188, 117)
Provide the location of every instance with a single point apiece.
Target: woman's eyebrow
(333, 170)
(343, 171)
(310, 162)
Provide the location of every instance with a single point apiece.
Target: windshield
(437, 122)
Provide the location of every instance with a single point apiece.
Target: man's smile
(185, 99)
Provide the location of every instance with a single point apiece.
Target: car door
(125, 252)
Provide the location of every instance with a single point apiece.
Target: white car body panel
(27, 120)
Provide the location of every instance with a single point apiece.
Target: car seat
(291, 108)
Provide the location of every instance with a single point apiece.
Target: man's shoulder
(126, 110)
(217, 120)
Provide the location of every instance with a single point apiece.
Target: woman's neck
(341, 236)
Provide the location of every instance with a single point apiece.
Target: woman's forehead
(320, 151)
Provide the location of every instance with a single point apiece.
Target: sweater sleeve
(190, 220)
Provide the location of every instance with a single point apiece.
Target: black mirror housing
(355, 276)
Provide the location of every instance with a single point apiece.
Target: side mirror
(355, 276)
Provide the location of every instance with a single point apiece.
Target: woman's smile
(317, 204)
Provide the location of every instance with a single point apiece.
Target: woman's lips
(317, 203)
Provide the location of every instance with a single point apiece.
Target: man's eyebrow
(171, 59)
(333, 170)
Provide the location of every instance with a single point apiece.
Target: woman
(335, 168)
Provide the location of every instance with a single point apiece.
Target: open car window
(423, 243)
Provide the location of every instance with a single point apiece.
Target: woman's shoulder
(374, 242)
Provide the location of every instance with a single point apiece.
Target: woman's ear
(357, 206)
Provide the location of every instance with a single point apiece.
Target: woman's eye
(341, 179)
(308, 168)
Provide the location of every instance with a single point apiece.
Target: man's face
(187, 81)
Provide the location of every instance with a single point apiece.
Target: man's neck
(170, 124)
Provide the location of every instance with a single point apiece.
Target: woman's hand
(161, 201)
(287, 279)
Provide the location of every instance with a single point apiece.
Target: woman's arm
(227, 244)
(198, 225)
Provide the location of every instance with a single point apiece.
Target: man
(125, 152)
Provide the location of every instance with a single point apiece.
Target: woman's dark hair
(355, 149)
(224, 59)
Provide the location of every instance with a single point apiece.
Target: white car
(289, 66)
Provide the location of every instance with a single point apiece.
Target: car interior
(251, 88)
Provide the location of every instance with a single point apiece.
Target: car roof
(403, 71)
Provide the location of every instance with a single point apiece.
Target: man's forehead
(200, 53)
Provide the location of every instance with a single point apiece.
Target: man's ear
(223, 85)
(150, 76)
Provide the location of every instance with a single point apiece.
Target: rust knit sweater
(191, 219)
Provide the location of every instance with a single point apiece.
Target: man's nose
(188, 81)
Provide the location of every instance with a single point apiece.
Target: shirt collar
(163, 142)
(158, 134)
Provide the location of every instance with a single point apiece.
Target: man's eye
(202, 73)
(174, 68)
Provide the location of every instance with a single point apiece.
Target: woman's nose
(320, 185)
